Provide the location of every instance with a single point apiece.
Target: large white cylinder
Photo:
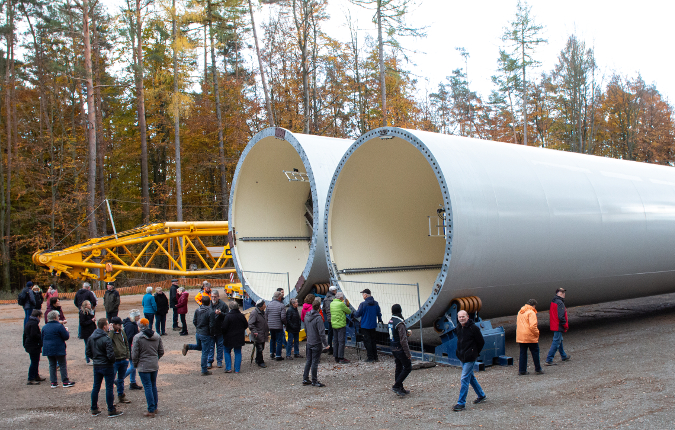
(276, 217)
(521, 222)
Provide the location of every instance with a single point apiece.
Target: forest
(147, 104)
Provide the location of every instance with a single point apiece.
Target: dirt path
(620, 376)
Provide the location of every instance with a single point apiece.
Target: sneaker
(279, 358)
(55, 385)
(123, 399)
(263, 365)
(228, 370)
(480, 400)
(539, 372)
(39, 379)
(344, 361)
(220, 365)
(566, 358)
(317, 384)
(289, 357)
(523, 373)
(135, 386)
(398, 392)
(298, 356)
(306, 382)
(95, 412)
(185, 349)
(207, 373)
(550, 363)
(149, 414)
(458, 408)
(114, 413)
(68, 384)
(33, 383)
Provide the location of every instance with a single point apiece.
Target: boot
(122, 398)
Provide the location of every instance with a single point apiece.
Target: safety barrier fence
(187, 283)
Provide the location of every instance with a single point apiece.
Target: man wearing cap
(370, 313)
(338, 319)
(173, 303)
(326, 313)
(202, 321)
(559, 325)
(111, 301)
(122, 354)
(257, 325)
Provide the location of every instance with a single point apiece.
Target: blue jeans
(131, 370)
(108, 374)
(237, 359)
(149, 381)
(160, 323)
(556, 345)
(276, 337)
(293, 341)
(120, 370)
(27, 315)
(151, 319)
(204, 344)
(468, 378)
(217, 344)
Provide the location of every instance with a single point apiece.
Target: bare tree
(176, 119)
(263, 77)
(91, 119)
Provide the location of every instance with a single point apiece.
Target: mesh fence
(264, 284)
(387, 294)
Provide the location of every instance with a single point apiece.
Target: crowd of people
(118, 348)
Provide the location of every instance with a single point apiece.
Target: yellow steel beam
(135, 253)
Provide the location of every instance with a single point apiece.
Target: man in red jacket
(559, 325)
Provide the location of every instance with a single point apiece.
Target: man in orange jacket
(205, 293)
(527, 335)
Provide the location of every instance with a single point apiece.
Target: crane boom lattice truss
(176, 246)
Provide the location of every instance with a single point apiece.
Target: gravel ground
(619, 376)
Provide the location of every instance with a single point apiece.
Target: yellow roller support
(175, 245)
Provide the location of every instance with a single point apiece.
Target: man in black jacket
(100, 349)
(293, 327)
(83, 294)
(173, 303)
(203, 324)
(470, 342)
(219, 309)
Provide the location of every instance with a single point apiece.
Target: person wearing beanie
(111, 301)
(122, 353)
(100, 349)
(398, 336)
(146, 351)
(257, 325)
(203, 321)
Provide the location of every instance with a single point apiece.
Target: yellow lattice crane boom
(169, 248)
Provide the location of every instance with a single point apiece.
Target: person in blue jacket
(149, 305)
(370, 313)
(54, 337)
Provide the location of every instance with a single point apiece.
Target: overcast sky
(627, 37)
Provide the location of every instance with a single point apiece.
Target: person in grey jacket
(316, 343)
(146, 351)
(326, 313)
(257, 325)
(202, 321)
(100, 350)
(276, 318)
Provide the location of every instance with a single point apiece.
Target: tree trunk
(100, 141)
(263, 78)
(91, 122)
(221, 144)
(524, 96)
(140, 96)
(176, 119)
(380, 47)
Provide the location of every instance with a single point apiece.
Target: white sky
(628, 37)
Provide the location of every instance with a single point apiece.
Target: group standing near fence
(117, 349)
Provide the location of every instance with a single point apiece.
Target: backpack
(23, 296)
